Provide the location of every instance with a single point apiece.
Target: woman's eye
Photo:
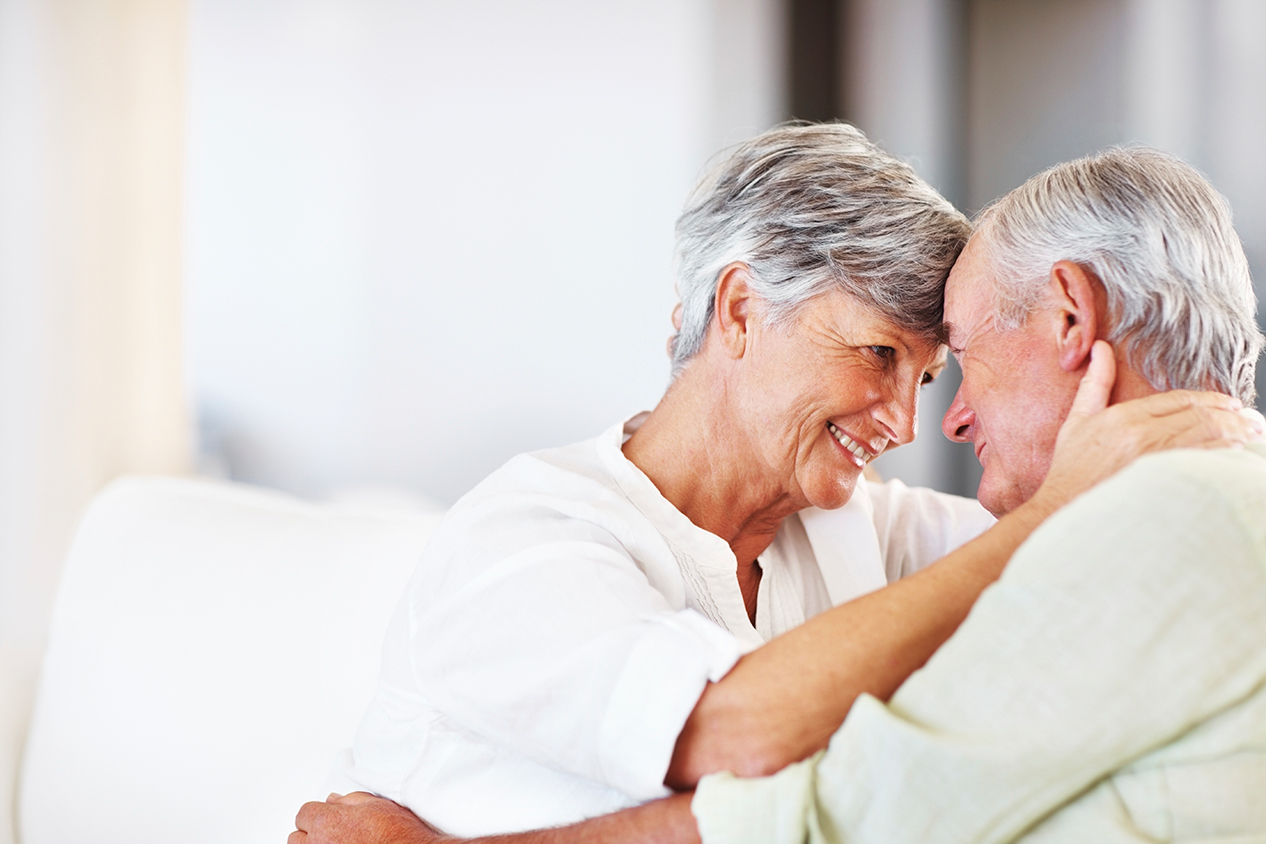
(884, 353)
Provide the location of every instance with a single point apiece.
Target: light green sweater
(1111, 687)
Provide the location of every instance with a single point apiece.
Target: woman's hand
(1096, 440)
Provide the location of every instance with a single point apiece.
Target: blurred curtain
(901, 68)
(91, 125)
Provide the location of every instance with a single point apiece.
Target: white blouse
(565, 618)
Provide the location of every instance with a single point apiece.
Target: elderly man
(1112, 685)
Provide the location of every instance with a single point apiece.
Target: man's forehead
(968, 298)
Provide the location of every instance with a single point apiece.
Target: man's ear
(1081, 304)
(733, 308)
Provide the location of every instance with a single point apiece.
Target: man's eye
(884, 353)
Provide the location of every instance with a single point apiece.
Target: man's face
(1014, 394)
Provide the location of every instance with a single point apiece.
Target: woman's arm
(782, 702)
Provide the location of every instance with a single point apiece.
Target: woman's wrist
(1049, 498)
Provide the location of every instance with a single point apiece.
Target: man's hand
(360, 818)
(1096, 440)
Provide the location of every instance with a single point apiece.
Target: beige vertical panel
(121, 120)
(902, 82)
(91, 387)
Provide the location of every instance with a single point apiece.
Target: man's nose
(960, 420)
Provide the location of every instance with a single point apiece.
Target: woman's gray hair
(810, 208)
(1159, 237)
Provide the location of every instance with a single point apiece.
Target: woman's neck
(700, 460)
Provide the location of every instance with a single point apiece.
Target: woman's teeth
(848, 442)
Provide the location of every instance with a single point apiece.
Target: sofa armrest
(19, 667)
(213, 647)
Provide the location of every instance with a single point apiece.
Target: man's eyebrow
(947, 331)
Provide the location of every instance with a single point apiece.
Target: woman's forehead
(853, 316)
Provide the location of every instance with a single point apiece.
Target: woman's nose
(900, 417)
(960, 420)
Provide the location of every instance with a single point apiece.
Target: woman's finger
(1255, 419)
(1200, 427)
(1176, 401)
(1096, 385)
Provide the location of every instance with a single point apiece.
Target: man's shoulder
(1191, 488)
(1224, 470)
(1166, 516)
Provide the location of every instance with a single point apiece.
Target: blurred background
(376, 247)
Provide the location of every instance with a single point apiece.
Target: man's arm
(365, 819)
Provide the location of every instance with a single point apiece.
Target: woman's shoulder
(554, 510)
(893, 500)
(574, 473)
(917, 526)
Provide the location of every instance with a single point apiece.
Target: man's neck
(1129, 384)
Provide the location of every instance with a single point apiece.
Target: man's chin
(999, 502)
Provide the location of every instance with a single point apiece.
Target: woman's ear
(733, 308)
(1081, 304)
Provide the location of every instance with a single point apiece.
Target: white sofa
(213, 647)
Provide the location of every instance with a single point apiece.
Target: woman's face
(827, 392)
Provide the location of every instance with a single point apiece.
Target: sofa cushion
(213, 647)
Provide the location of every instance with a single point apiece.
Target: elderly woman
(588, 627)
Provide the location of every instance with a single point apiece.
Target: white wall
(423, 237)
(1053, 81)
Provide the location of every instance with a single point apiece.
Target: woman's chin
(833, 495)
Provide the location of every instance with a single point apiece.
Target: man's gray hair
(810, 208)
(1159, 237)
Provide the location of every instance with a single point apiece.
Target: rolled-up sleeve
(1133, 615)
(549, 641)
(663, 677)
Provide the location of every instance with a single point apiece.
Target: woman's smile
(856, 450)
